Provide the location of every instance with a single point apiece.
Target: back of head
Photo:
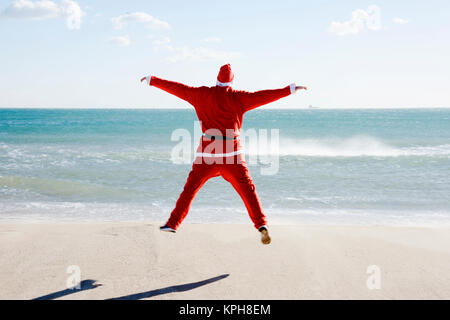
(225, 77)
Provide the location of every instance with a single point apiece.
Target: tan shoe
(265, 237)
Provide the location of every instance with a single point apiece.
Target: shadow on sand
(92, 284)
(84, 286)
(179, 288)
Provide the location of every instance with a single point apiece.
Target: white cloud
(121, 41)
(199, 54)
(400, 21)
(45, 9)
(212, 40)
(361, 19)
(177, 54)
(24, 9)
(161, 44)
(139, 17)
(73, 14)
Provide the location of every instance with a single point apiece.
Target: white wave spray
(356, 146)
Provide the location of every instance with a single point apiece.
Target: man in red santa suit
(220, 110)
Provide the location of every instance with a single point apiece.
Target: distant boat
(311, 107)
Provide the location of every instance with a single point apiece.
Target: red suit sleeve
(182, 91)
(252, 100)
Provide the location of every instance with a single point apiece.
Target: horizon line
(192, 108)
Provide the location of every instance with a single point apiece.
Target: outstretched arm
(182, 91)
(252, 100)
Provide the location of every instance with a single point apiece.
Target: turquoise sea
(387, 166)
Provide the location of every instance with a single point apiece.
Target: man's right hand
(300, 88)
(144, 79)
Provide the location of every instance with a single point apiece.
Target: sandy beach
(137, 261)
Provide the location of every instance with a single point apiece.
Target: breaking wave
(358, 146)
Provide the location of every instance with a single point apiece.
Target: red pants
(237, 174)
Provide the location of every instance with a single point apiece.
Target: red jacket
(221, 108)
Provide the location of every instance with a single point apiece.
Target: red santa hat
(226, 76)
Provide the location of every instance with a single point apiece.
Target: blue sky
(64, 53)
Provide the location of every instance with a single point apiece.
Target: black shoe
(167, 229)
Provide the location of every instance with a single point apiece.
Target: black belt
(219, 137)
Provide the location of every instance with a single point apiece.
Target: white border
(227, 84)
(220, 155)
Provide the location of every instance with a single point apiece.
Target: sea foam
(357, 146)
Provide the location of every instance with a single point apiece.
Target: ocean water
(333, 167)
